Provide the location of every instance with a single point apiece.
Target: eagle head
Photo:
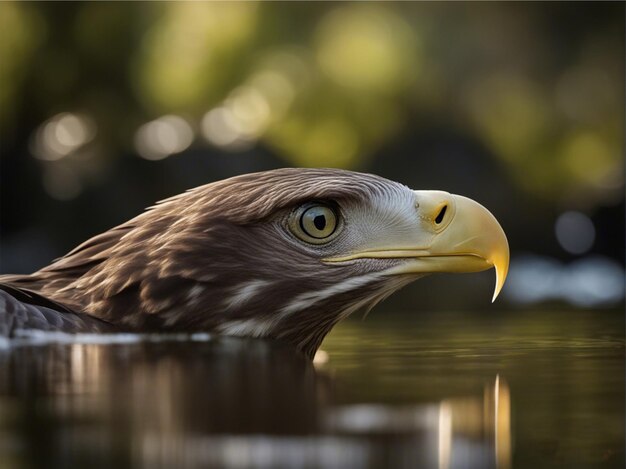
(282, 254)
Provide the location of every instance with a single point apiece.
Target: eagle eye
(314, 223)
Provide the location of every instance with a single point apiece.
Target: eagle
(283, 254)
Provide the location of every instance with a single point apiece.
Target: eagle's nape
(283, 254)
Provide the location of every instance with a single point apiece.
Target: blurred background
(106, 108)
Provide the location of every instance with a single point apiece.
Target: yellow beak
(465, 237)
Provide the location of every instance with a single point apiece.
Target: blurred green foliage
(328, 84)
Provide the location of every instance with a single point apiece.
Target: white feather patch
(194, 293)
(243, 293)
(246, 328)
(306, 300)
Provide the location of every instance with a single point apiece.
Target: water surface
(441, 390)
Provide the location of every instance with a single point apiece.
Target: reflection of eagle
(283, 254)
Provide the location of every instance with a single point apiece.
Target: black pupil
(320, 222)
(442, 213)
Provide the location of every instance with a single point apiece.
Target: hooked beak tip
(502, 268)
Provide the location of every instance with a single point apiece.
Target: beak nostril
(441, 214)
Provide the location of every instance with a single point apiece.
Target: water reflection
(225, 403)
(473, 431)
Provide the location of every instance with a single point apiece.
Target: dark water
(445, 390)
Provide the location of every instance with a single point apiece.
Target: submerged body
(283, 254)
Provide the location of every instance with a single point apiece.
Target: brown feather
(175, 266)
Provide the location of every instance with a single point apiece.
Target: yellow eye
(315, 223)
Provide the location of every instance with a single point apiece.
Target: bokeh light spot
(162, 137)
(62, 135)
(592, 281)
(251, 109)
(276, 88)
(365, 48)
(590, 158)
(222, 129)
(575, 232)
